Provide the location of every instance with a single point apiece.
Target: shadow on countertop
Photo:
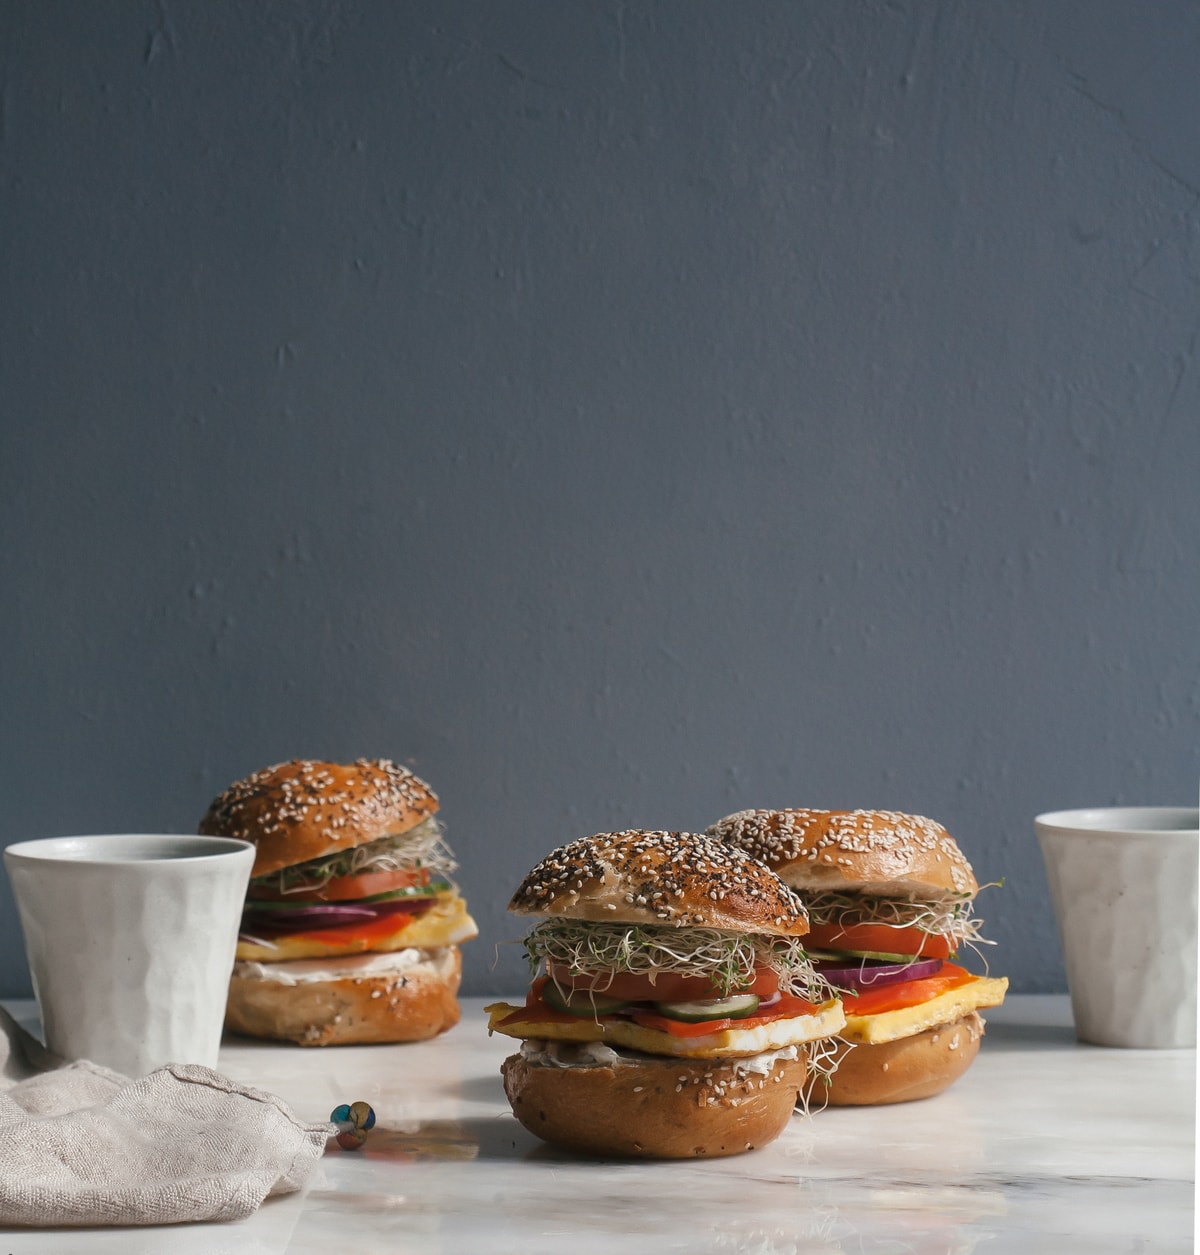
(1006, 1036)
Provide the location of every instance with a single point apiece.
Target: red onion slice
(306, 916)
(873, 974)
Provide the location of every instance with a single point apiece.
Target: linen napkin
(82, 1145)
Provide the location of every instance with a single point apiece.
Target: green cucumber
(885, 955)
(736, 1007)
(580, 1001)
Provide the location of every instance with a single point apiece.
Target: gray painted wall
(623, 413)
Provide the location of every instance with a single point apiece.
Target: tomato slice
(357, 937)
(348, 888)
(536, 1009)
(877, 938)
(909, 993)
(662, 987)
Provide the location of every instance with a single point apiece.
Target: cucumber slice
(736, 1007)
(885, 955)
(827, 956)
(580, 1001)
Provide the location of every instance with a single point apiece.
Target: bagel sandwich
(890, 898)
(352, 923)
(673, 1011)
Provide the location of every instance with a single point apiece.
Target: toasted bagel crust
(909, 1068)
(412, 1005)
(886, 853)
(304, 809)
(642, 877)
(654, 1108)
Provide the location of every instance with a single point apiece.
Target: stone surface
(1045, 1147)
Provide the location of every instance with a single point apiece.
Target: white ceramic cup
(1123, 882)
(130, 940)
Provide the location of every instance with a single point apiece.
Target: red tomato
(349, 888)
(879, 938)
(907, 993)
(665, 986)
(358, 937)
(536, 1009)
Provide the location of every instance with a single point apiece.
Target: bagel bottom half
(918, 1066)
(342, 1002)
(641, 1106)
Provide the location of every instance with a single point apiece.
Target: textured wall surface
(622, 412)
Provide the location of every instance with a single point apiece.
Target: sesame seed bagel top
(303, 809)
(884, 853)
(681, 878)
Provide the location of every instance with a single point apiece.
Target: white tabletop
(1044, 1146)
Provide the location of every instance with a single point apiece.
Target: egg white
(983, 991)
(826, 1021)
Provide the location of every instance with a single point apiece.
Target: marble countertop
(1045, 1145)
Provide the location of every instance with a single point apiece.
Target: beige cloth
(81, 1145)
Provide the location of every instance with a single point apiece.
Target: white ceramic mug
(130, 940)
(1123, 881)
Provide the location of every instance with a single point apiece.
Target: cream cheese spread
(375, 963)
(594, 1054)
